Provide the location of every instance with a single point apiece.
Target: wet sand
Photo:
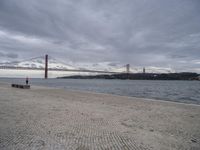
(46, 118)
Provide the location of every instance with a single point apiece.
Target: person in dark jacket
(26, 80)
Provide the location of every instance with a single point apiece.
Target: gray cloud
(8, 55)
(140, 32)
(12, 55)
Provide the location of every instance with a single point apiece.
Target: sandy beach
(47, 119)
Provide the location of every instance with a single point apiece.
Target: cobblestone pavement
(48, 119)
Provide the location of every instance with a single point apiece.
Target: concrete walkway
(48, 119)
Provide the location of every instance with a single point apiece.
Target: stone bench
(21, 86)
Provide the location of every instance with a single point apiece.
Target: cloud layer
(155, 33)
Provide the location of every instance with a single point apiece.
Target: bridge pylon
(46, 67)
(127, 68)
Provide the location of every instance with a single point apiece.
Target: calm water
(179, 91)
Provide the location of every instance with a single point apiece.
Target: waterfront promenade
(47, 119)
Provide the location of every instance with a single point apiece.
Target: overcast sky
(161, 33)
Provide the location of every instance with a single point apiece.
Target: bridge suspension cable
(59, 61)
(13, 65)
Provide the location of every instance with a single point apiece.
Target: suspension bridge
(46, 68)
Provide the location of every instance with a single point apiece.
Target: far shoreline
(140, 76)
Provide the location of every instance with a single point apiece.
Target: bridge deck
(55, 69)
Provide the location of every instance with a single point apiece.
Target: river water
(177, 91)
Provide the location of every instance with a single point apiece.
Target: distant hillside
(142, 76)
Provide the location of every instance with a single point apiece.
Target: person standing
(26, 80)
